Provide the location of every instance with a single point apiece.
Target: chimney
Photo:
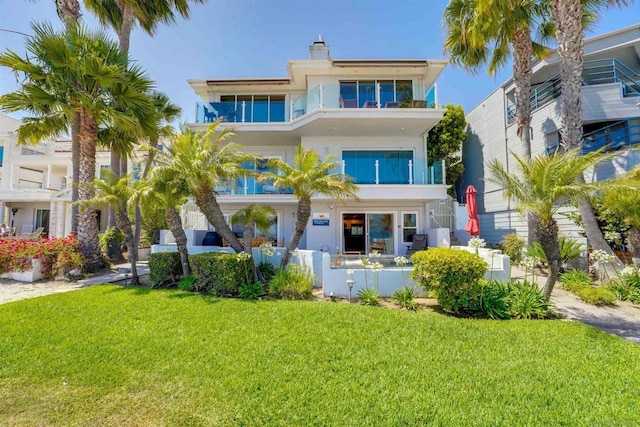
(319, 50)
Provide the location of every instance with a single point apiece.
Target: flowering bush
(59, 256)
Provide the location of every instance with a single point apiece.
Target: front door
(365, 232)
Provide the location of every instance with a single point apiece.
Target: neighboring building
(373, 115)
(610, 99)
(35, 182)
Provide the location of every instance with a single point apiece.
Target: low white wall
(334, 280)
(499, 264)
(439, 237)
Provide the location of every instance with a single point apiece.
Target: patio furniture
(37, 234)
(348, 103)
(418, 103)
(369, 104)
(378, 245)
(420, 243)
(26, 230)
(392, 104)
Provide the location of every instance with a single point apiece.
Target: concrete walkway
(622, 319)
(14, 291)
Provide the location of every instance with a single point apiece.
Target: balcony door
(366, 232)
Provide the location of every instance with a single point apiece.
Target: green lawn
(114, 356)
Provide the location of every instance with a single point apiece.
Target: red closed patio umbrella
(473, 226)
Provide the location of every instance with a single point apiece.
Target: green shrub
(188, 283)
(526, 300)
(252, 290)
(267, 270)
(165, 269)
(293, 282)
(451, 275)
(627, 286)
(110, 234)
(512, 245)
(570, 249)
(369, 296)
(600, 295)
(221, 273)
(405, 298)
(493, 300)
(575, 279)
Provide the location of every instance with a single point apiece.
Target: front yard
(119, 356)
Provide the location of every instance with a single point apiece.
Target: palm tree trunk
(68, 11)
(175, 225)
(548, 235)
(247, 238)
(145, 173)
(75, 162)
(124, 33)
(122, 220)
(208, 205)
(567, 16)
(87, 222)
(114, 249)
(633, 241)
(302, 218)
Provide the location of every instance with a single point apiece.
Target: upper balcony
(595, 72)
(351, 108)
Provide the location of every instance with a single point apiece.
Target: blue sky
(255, 38)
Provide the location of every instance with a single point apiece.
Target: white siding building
(373, 115)
(610, 99)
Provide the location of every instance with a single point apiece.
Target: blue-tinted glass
(1, 155)
(260, 109)
(393, 166)
(386, 92)
(431, 97)
(277, 110)
(366, 92)
(404, 91)
(349, 94)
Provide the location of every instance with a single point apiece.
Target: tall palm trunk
(75, 162)
(123, 223)
(302, 218)
(522, 54)
(87, 221)
(247, 238)
(548, 235)
(208, 205)
(145, 173)
(175, 225)
(567, 16)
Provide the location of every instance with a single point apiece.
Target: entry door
(365, 232)
(380, 232)
(42, 219)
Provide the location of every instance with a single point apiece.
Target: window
(409, 226)
(360, 93)
(553, 141)
(1, 155)
(393, 166)
(257, 108)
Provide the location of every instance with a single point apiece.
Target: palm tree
(253, 217)
(309, 176)
(117, 192)
(206, 159)
(79, 72)
(625, 204)
(165, 112)
(168, 188)
(541, 186)
(481, 32)
(568, 17)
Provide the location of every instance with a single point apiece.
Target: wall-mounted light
(331, 206)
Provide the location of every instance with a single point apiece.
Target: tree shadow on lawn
(173, 293)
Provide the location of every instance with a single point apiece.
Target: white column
(246, 185)
(291, 110)
(49, 167)
(244, 107)
(377, 172)
(321, 89)
(444, 172)
(344, 167)
(378, 94)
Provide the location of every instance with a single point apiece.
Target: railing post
(444, 172)
(378, 95)
(321, 89)
(244, 107)
(410, 172)
(377, 172)
(432, 170)
(344, 168)
(291, 110)
(246, 185)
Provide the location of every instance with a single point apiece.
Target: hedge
(221, 273)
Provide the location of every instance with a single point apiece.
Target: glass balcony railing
(399, 171)
(332, 95)
(248, 185)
